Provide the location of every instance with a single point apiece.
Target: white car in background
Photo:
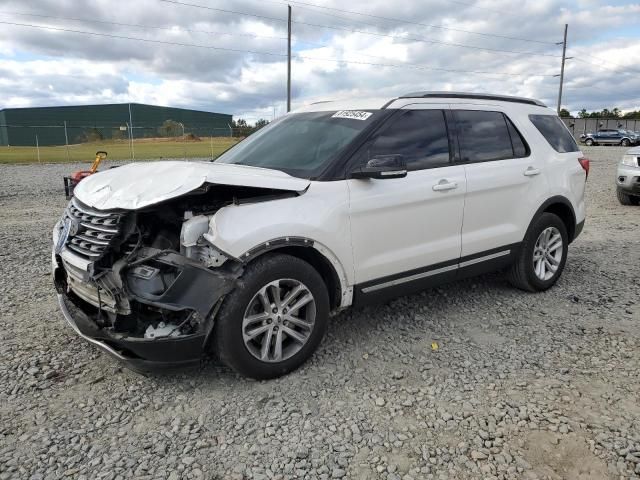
(628, 178)
(334, 205)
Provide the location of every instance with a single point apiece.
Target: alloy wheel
(547, 253)
(279, 320)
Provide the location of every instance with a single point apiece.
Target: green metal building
(82, 123)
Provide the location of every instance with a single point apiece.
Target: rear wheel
(542, 256)
(626, 199)
(274, 320)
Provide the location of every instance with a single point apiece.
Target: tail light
(584, 163)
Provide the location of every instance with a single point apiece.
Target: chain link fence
(73, 142)
(579, 126)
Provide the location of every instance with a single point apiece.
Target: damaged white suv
(334, 205)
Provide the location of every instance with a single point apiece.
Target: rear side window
(554, 131)
(420, 136)
(485, 136)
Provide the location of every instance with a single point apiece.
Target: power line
(295, 4)
(235, 12)
(400, 20)
(173, 29)
(616, 68)
(427, 40)
(333, 27)
(579, 87)
(281, 55)
(153, 27)
(123, 37)
(473, 5)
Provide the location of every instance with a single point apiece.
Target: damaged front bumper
(136, 353)
(155, 311)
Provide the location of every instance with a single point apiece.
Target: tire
(522, 273)
(244, 312)
(626, 199)
(625, 142)
(588, 142)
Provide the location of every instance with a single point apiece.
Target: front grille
(96, 231)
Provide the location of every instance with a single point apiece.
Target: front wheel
(626, 199)
(274, 320)
(625, 142)
(588, 142)
(542, 256)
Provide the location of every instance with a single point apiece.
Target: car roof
(346, 104)
(474, 96)
(378, 103)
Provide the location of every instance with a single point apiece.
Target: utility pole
(133, 152)
(130, 140)
(564, 53)
(66, 139)
(289, 60)
(184, 140)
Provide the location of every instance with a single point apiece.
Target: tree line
(240, 128)
(604, 113)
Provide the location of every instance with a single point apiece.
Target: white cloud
(41, 67)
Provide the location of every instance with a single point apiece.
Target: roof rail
(478, 96)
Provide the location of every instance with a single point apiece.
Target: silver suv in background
(628, 178)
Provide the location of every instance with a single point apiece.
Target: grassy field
(119, 150)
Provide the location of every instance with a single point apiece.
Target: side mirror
(382, 167)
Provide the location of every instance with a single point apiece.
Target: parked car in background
(634, 136)
(333, 205)
(608, 136)
(628, 178)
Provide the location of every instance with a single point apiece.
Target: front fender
(320, 216)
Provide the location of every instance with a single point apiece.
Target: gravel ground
(521, 386)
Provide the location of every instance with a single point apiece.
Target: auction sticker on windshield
(353, 114)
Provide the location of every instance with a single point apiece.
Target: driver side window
(420, 136)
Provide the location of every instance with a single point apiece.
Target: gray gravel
(521, 386)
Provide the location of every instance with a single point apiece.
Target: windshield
(300, 144)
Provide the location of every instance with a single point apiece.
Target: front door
(403, 226)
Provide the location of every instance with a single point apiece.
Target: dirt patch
(563, 457)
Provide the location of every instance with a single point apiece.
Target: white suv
(334, 205)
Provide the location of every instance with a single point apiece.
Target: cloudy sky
(231, 56)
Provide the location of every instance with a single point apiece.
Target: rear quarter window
(555, 132)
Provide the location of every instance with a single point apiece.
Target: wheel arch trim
(566, 205)
(345, 298)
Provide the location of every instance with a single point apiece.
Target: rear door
(503, 180)
(607, 136)
(402, 227)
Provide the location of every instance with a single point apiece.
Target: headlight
(212, 233)
(630, 160)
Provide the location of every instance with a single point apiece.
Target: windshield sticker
(352, 114)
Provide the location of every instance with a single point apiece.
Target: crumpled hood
(139, 185)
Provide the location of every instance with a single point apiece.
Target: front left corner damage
(173, 302)
(168, 280)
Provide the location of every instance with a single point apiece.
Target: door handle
(530, 172)
(444, 185)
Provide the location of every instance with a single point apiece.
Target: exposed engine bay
(132, 278)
